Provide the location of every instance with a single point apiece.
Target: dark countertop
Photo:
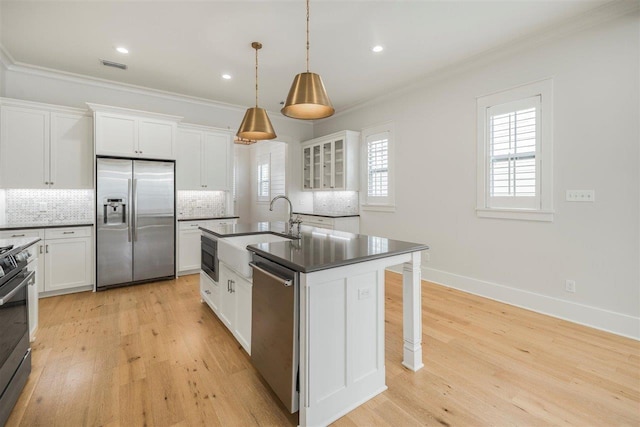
(34, 225)
(19, 243)
(327, 214)
(208, 218)
(317, 248)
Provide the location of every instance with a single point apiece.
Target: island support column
(412, 313)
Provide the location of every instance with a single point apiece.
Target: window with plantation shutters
(264, 178)
(378, 167)
(515, 147)
(513, 144)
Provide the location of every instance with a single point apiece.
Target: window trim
(378, 204)
(544, 89)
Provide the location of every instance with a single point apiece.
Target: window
(514, 153)
(378, 168)
(264, 178)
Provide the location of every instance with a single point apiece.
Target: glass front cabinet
(331, 162)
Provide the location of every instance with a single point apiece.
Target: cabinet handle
(68, 232)
(40, 248)
(46, 248)
(17, 235)
(207, 291)
(228, 285)
(233, 287)
(46, 182)
(51, 183)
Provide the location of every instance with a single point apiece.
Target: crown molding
(600, 15)
(20, 67)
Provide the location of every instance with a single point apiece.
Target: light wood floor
(154, 355)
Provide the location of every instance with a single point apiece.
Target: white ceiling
(185, 46)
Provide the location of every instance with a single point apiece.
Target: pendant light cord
(307, 36)
(256, 77)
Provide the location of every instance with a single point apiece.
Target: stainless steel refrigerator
(135, 217)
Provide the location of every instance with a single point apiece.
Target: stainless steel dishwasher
(274, 328)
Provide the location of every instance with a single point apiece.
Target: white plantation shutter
(378, 165)
(264, 175)
(513, 164)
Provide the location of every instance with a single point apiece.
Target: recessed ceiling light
(377, 49)
(226, 76)
(122, 49)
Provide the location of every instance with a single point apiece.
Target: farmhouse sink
(233, 250)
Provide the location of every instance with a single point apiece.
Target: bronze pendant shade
(307, 99)
(256, 124)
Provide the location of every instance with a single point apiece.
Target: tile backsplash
(332, 202)
(25, 206)
(200, 204)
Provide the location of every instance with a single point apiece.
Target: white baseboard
(616, 323)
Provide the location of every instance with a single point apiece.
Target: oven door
(209, 257)
(14, 321)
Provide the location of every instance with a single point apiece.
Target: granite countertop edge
(207, 218)
(302, 269)
(326, 215)
(33, 226)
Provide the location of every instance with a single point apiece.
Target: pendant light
(256, 124)
(308, 99)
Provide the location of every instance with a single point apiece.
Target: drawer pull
(68, 232)
(17, 235)
(207, 291)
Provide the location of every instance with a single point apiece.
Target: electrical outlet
(581, 195)
(570, 286)
(43, 207)
(364, 293)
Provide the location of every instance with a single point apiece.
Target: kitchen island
(340, 311)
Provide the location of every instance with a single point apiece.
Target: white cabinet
(189, 243)
(210, 292)
(331, 162)
(349, 224)
(134, 134)
(45, 146)
(235, 305)
(204, 160)
(65, 258)
(32, 266)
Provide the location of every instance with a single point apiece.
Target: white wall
(54, 88)
(596, 146)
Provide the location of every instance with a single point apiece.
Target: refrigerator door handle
(129, 192)
(134, 210)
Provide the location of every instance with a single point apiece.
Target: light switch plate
(581, 196)
(43, 207)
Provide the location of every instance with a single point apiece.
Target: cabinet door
(210, 292)
(327, 165)
(68, 263)
(33, 300)
(189, 148)
(338, 164)
(156, 139)
(116, 135)
(24, 140)
(189, 250)
(317, 166)
(227, 297)
(71, 151)
(307, 168)
(242, 324)
(216, 161)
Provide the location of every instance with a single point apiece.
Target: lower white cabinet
(65, 258)
(189, 243)
(230, 299)
(350, 224)
(33, 293)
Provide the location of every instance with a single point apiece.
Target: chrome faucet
(292, 221)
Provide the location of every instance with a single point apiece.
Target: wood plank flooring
(153, 355)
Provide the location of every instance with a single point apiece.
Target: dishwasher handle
(285, 282)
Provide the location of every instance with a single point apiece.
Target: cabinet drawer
(191, 225)
(65, 233)
(317, 221)
(6, 234)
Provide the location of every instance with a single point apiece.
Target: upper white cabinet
(331, 162)
(45, 146)
(205, 158)
(135, 134)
